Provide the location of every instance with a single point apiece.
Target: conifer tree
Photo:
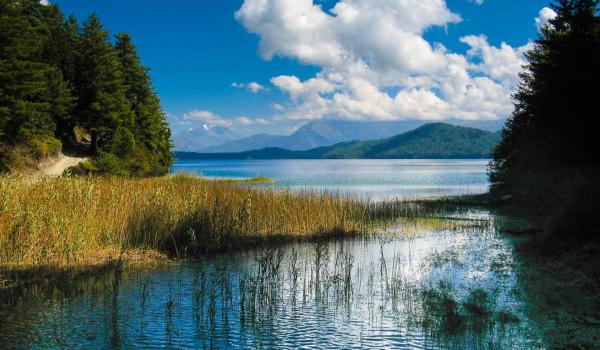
(552, 128)
(55, 77)
(102, 104)
(548, 159)
(151, 129)
(25, 89)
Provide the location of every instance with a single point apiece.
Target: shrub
(123, 142)
(44, 146)
(110, 164)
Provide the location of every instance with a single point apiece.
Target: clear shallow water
(375, 179)
(434, 285)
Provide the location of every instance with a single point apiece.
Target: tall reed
(74, 221)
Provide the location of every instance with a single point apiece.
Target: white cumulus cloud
(375, 63)
(546, 14)
(501, 63)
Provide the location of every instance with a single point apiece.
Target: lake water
(374, 179)
(439, 284)
(447, 281)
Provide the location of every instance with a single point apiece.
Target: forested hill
(433, 141)
(67, 85)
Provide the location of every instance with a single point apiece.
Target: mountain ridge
(432, 140)
(329, 132)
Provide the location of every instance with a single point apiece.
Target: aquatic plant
(68, 222)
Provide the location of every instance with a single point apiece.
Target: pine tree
(548, 159)
(102, 104)
(151, 129)
(55, 77)
(25, 96)
(556, 105)
(60, 52)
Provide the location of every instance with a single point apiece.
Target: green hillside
(433, 141)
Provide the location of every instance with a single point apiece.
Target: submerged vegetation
(373, 292)
(546, 168)
(69, 227)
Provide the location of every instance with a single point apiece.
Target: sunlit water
(374, 179)
(437, 284)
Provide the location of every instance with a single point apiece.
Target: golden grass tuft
(66, 222)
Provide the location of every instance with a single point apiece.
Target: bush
(574, 213)
(123, 142)
(44, 146)
(110, 164)
(24, 157)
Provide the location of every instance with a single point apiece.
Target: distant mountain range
(311, 135)
(429, 141)
(200, 138)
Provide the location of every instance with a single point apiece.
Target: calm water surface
(433, 284)
(447, 282)
(375, 179)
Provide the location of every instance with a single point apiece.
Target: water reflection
(450, 285)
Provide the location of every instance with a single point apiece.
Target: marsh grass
(85, 222)
(75, 221)
(353, 279)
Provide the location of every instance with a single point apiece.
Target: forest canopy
(69, 85)
(548, 159)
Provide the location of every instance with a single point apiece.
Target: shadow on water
(449, 285)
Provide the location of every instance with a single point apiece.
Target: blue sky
(197, 49)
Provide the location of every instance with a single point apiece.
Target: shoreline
(18, 282)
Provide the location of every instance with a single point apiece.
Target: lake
(444, 281)
(367, 178)
(434, 284)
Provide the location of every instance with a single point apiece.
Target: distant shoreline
(184, 155)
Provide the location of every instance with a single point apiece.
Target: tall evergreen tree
(60, 52)
(55, 77)
(552, 139)
(151, 129)
(29, 87)
(102, 104)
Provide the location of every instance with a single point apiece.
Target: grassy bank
(75, 221)
(55, 230)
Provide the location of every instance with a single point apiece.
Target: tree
(55, 77)
(26, 82)
(151, 129)
(102, 104)
(548, 159)
(556, 103)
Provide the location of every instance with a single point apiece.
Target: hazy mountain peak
(320, 133)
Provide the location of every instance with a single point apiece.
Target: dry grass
(81, 221)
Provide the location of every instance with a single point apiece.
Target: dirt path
(56, 166)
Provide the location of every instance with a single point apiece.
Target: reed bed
(66, 221)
